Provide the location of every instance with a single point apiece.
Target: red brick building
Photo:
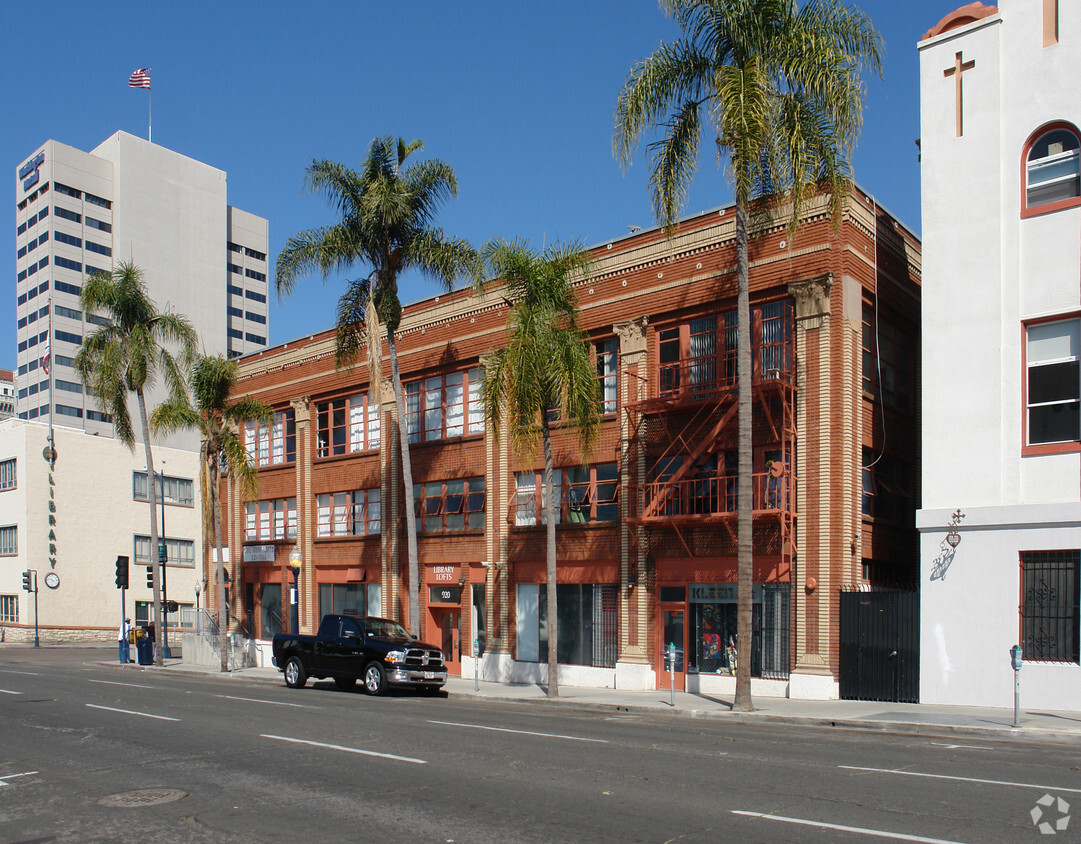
(646, 534)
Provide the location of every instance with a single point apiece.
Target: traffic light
(150, 576)
(121, 572)
(26, 581)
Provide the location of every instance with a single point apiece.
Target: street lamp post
(198, 622)
(295, 562)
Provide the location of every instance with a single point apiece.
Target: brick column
(814, 487)
(308, 599)
(633, 602)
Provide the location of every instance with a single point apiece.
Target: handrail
(712, 496)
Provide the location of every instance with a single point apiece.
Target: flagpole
(150, 115)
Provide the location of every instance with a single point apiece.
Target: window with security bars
(9, 540)
(9, 608)
(7, 474)
(1050, 617)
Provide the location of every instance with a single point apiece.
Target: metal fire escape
(684, 440)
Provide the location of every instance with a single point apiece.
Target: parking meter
(1015, 661)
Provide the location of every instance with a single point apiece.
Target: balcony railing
(714, 496)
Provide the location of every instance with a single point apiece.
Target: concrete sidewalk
(971, 722)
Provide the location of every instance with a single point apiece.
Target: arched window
(1052, 169)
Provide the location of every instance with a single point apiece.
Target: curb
(1030, 735)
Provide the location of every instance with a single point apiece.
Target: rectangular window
(7, 474)
(97, 200)
(65, 214)
(255, 297)
(258, 276)
(176, 490)
(588, 623)
(351, 598)
(607, 352)
(98, 224)
(450, 505)
(259, 318)
(251, 253)
(890, 370)
(64, 287)
(712, 646)
(347, 425)
(255, 338)
(9, 608)
(98, 248)
(70, 313)
(64, 410)
(1053, 383)
(582, 494)
(70, 265)
(272, 519)
(233, 268)
(70, 386)
(1050, 584)
(445, 406)
(887, 489)
(9, 540)
(69, 239)
(178, 552)
(68, 337)
(271, 445)
(64, 189)
(355, 513)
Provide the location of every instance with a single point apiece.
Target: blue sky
(517, 97)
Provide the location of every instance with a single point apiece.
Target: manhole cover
(143, 797)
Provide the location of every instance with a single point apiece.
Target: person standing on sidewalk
(122, 641)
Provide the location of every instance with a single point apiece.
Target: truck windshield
(386, 629)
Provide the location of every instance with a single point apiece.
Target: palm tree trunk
(223, 610)
(407, 482)
(152, 551)
(745, 501)
(550, 556)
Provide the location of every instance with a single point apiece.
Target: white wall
(96, 520)
(985, 271)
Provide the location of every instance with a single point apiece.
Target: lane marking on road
(12, 776)
(960, 746)
(271, 702)
(859, 830)
(346, 749)
(962, 779)
(9, 692)
(27, 673)
(518, 732)
(131, 712)
(114, 683)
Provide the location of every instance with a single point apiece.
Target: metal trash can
(144, 650)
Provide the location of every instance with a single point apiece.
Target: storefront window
(588, 624)
(350, 598)
(714, 646)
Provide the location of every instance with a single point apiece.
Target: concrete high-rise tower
(127, 200)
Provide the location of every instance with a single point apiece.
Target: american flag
(45, 361)
(140, 78)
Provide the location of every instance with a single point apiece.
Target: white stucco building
(90, 509)
(1001, 520)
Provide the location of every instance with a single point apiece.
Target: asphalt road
(96, 753)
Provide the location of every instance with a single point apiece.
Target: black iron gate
(880, 646)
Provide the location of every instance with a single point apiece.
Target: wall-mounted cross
(958, 69)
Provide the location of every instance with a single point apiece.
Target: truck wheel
(295, 676)
(345, 683)
(375, 679)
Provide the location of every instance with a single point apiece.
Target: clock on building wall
(52, 580)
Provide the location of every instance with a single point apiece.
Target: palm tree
(218, 421)
(386, 224)
(126, 356)
(780, 89)
(544, 365)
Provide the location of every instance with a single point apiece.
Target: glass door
(671, 650)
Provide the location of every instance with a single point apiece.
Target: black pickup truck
(350, 647)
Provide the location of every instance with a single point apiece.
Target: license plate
(429, 675)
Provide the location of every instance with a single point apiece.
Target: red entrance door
(670, 651)
(449, 623)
